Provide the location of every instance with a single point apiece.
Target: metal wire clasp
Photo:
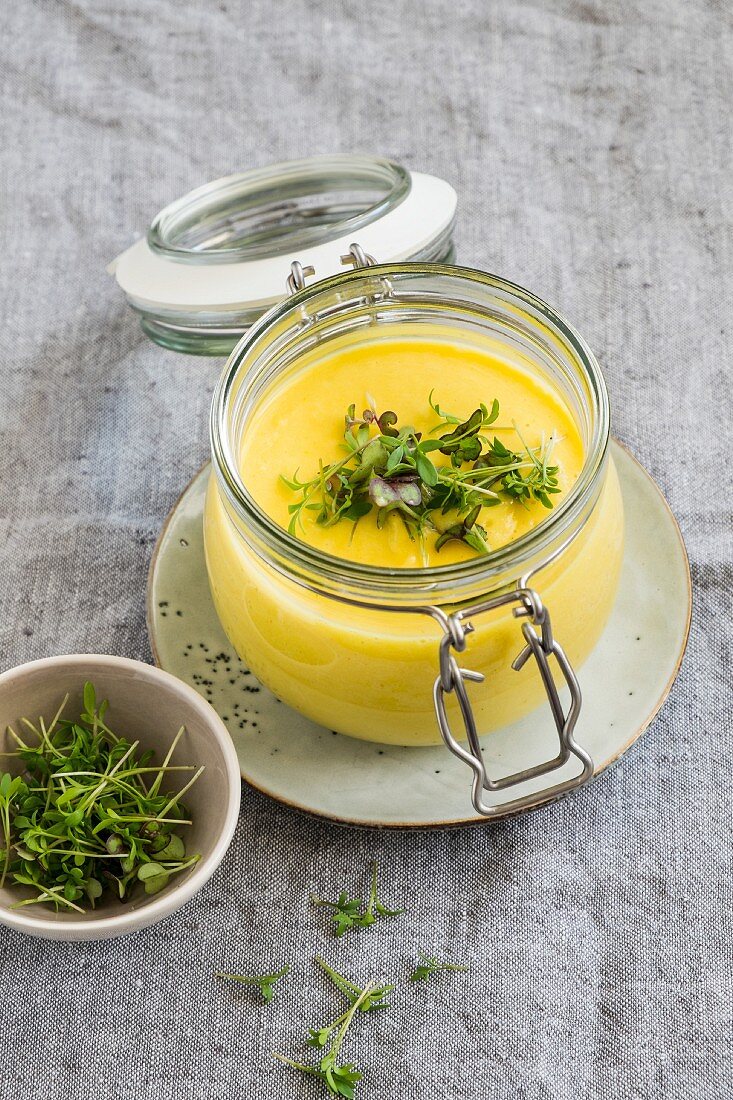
(296, 278)
(541, 645)
(357, 258)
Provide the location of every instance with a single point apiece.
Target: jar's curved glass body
(348, 645)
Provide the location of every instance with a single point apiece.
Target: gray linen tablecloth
(591, 147)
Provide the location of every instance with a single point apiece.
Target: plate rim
(461, 822)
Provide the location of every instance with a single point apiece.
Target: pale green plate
(624, 682)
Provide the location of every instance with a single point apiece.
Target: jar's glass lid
(279, 209)
(216, 259)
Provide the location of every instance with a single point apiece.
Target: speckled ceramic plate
(624, 682)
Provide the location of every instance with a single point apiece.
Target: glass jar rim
(269, 197)
(307, 562)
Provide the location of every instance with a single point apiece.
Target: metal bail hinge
(541, 645)
(357, 257)
(298, 275)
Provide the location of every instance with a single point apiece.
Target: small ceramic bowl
(148, 704)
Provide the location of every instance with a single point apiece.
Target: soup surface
(300, 425)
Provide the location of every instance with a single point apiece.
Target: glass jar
(370, 651)
(212, 261)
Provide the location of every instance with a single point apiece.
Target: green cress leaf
(90, 698)
(452, 440)
(395, 458)
(93, 889)
(426, 470)
(357, 510)
(374, 454)
(493, 415)
(153, 875)
(175, 849)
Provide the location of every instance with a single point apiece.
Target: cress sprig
(264, 981)
(88, 814)
(347, 912)
(319, 1036)
(431, 964)
(389, 469)
(340, 1080)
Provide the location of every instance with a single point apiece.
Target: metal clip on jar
(562, 552)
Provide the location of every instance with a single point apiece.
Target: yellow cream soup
(370, 673)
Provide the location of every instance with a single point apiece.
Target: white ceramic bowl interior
(148, 704)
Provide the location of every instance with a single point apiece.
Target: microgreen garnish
(348, 913)
(264, 981)
(88, 813)
(429, 964)
(388, 470)
(339, 1080)
(318, 1036)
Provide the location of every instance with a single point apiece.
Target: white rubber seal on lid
(150, 281)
